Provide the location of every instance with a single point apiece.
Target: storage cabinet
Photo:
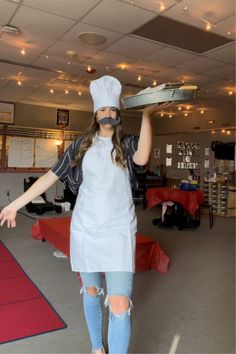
(219, 195)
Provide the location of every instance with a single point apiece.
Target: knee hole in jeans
(92, 290)
(119, 304)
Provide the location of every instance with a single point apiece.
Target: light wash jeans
(119, 327)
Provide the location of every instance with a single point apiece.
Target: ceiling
(136, 43)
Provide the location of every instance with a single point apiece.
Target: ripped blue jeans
(119, 327)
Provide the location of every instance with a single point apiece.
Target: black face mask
(109, 120)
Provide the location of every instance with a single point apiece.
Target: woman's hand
(8, 214)
(150, 109)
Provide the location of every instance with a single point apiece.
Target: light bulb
(208, 26)
(58, 142)
(23, 51)
(19, 83)
(162, 6)
(51, 90)
(202, 111)
(139, 78)
(154, 83)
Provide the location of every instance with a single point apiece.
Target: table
(56, 231)
(189, 200)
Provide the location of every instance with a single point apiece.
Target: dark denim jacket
(73, 176)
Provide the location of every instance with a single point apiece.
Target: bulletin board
(32, 149)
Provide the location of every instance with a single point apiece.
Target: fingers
(11, 222)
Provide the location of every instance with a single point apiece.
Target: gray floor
(188, 310)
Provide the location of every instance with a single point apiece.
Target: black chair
(139, 192)
(207, 206)
(38, 208)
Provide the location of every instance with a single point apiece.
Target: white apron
(103, 224)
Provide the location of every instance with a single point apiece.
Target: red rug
(24, 311)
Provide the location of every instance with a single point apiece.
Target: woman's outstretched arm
(8, 214)
(141, 156)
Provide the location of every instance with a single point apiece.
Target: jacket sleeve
(131, 142)
(63, 165)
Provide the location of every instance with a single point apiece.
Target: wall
(204, 139)
(171, 131)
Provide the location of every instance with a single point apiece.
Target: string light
(179, 108)
(139, 78)
(51, 90)
(229, 33)
(170, 115)
(208, 26)
(228, 132)
(66, 92)
(154, 83)
(211, 121)
(213, 132)
(90, 70)
(162, 6)
(185, 114)
(19, 83)
(162, 114)
(79, 93)
(58, 142)
(23, 51)
(185, 9)
(223, 131)
(202, 111)
(230, 93)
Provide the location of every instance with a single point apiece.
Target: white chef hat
(105, 92)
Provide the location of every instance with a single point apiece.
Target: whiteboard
(21, 152)
(46, 152)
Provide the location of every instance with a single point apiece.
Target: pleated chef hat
(105, 92)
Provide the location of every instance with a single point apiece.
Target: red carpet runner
(24, 311)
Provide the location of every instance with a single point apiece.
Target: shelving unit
(216, 194)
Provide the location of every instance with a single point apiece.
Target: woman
(100, 166)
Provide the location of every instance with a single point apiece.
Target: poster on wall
(7, 113)
(157, 153)
(63, 118)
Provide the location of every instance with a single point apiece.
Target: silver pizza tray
(170, 92)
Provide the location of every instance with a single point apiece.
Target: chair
(41, 204)
(206, 205)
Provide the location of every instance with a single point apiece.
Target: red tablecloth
(56, 231)
(190, 200)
